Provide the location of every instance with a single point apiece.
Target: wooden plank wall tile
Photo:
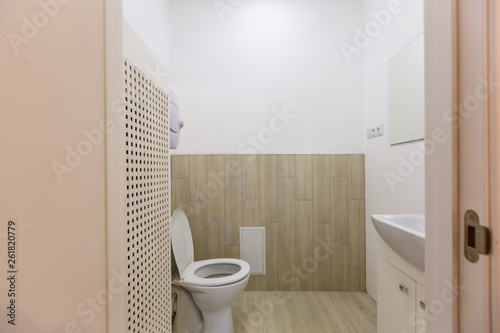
(356, 176)
(197, 177)
(232, 251)
(270, 280)
(255, 283)
(216, 244)
(232, 165)
(303, 177)
(286, 211)
(268, 189)
(357, 234)
(251, 177)
(340, 223)
(340, 268)
(198, 224)
(234, 211)
(298, 198)
(305, 277)
(322, 274)
(303, 234)
(286, 268)
(357, 279)
(216, 183)
(321, 188)
(180, 195)
(251, 213)
(339, 165)
(286, 166)
(180, 166)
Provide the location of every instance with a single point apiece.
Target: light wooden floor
(304, 312)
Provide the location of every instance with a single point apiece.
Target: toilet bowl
(187, 317)
(213, 283)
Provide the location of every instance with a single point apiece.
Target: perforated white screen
(148, 211)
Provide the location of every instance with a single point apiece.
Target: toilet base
(218, 322)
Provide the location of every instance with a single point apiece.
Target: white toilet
(213, 283)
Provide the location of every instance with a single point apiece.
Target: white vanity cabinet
(400, 301)
(396, 299)
(400, 294)
(420, 306)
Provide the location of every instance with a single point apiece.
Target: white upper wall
(235, 67)
(149, 19)
(407, 194)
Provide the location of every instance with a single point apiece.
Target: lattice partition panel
(148, 211)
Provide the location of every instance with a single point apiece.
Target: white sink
(405, 234)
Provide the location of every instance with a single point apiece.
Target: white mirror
(406, 94)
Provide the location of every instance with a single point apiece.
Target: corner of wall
(384, 161)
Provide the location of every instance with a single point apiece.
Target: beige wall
(52, 91)
(312, 206)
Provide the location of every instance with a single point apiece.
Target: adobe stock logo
(372, 29)
(222, 7)
(31, 27)
(74, 156)
(277, 124)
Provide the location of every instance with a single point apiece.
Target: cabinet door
(420, 306)
(396, 300)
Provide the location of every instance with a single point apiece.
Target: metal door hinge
(477, 237)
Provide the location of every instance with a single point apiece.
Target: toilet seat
(201, 273)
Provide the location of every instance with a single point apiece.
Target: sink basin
(405, 234)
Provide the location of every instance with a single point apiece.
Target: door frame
(495, 162)
(442, 221)
(441, 179)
